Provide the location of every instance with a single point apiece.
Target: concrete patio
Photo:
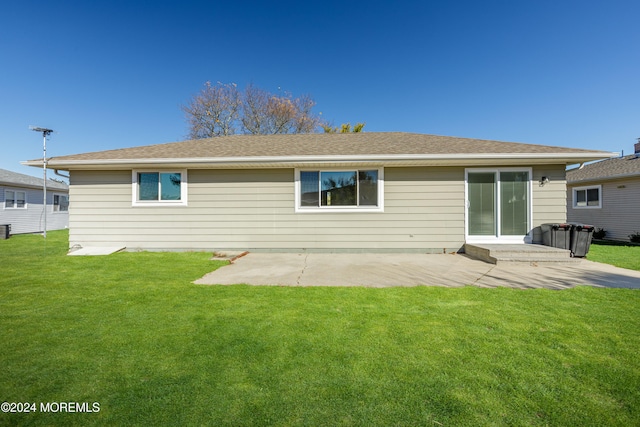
(386, 270)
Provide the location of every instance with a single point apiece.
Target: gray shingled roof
(328, 146)
(620, 167)
(21, 180)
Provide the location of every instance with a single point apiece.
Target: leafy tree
(223, 109)
(344, 128)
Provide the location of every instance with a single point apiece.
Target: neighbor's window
(15, 199)
(587, 197)
(340, 189)
(60, 203)
(159, 187)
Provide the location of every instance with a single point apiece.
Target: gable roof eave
(627, 167)
(465, 159)
(18, 180)
(50, 186)
(602, 178)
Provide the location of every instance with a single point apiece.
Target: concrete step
(513, 254)
(512, 260)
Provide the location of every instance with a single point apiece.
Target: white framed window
(159, 187)
(14, 199)
(587, 197)
(60, 202)
(339, 190)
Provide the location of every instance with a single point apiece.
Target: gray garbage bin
(581, 235)
(556, 235)
(5, 231)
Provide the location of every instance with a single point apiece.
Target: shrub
(599, 233)
(635, 237)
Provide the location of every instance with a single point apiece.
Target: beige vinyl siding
(424, 210)
(620, 211)
(254, 210)
(549, 200)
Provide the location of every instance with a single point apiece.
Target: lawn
(616, 253)
(131, 333)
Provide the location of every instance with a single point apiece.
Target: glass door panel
(514, 203)
(482, 203)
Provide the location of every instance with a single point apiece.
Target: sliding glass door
(498, 205)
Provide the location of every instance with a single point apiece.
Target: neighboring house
(606, 194)
(21, 197)
(354, 192)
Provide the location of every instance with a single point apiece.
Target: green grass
(618, 254)
(131, 332)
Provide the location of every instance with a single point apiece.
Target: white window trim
(156, 203)
(53, 206)
(528, 238)
(574, 200)
(334, 209)
(15, 199)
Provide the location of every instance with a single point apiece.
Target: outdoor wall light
(544, 180)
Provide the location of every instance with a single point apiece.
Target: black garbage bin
(556, 235)
(581, 235)
(5, 231)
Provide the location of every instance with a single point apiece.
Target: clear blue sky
(112, 74)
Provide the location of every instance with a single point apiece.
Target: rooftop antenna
(45, 132)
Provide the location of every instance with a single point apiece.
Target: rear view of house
(374, 192)
(606, 194)
(22, 203)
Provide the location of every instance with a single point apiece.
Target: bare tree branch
(215, 111)
(222, 109)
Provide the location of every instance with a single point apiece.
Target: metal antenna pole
(45, 133)
(44, 180)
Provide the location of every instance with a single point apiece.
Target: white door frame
(527, 238)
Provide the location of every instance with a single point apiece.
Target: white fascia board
(292, 161)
